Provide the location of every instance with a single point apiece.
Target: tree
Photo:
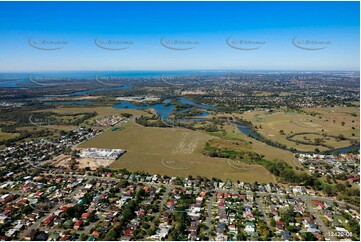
(273, 222)
(111, 235)
(264, 231)
(241, 236)
(151, 231)
(309, 237)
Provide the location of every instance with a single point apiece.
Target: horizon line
(182, 70)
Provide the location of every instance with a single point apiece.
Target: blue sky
(206, 25)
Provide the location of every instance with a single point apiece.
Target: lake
(165, 109)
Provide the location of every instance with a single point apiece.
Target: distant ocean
(13, 80)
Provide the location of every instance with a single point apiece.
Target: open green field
(178, 151)
(101, 111)
(244, 142)
(321, 123)
(6, 136)
(249, 144)
(173, 152)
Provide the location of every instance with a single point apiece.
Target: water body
(345, 149)
(247, 131)
(162, 109)
(187, 101)
(22, 79)
(199, 117)
(165, 109)
(15, 84)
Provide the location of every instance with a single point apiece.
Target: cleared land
(174, 152)
(177, 151)
(6, 136)
(309, 126)
(244, 142)
(101, 111)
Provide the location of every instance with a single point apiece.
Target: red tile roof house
(48, 220)
(64, 208)
(318, 236)
(170, 203)
(141, 213)
(22, 201)
(234, 195)
(8, 199)
(280, 226)
(129, 232)
(65, 238)
(7, 211)
(112, 214)
(221, 203)
(248, 215)
(299, 208)
(220, 195)
(353, 179)
(38, 194)
(25, 188)
(320, 205)
(85, 216)
(232, 228)
(78, 224)
(96, 234)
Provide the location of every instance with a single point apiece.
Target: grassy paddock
(174, 152)
(243, 142)
(6, 136)
(328, 121)
(101, 111)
